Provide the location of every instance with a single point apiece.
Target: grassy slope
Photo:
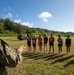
(43, 64)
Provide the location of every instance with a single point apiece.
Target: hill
(10, 28)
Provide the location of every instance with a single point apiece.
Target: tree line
(10, 28)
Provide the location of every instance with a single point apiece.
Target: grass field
(43, 63)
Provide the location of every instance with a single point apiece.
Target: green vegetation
(10, 28)
(36, 63)
(43, 63)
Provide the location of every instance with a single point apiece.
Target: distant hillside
(10, 28)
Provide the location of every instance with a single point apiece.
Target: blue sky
(55, 15)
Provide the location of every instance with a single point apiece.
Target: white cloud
(24, 23)
(68, 30)
(45, 20)
(8, 15)
(45, 15)
(17, 21)
(27, 24)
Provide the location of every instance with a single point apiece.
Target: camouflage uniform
(8, 57)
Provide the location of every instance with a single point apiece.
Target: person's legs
(61, 49)
(34, 47)
(44, 47)
(29, 48)
(53, 48)
(69, 49)
(49, 48)
(66, 49)
(58, 49)
(40, 48)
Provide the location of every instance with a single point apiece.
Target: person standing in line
(40, 43)
(34, 43)
(60, 43)
(68, 44)
(29, 43)
(45, 43)
(51, 43)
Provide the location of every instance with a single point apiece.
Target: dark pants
(3, 70)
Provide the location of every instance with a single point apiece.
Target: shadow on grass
(69, 63)
(55, 57)
(45, 56)
(62, 59)
(32, 55)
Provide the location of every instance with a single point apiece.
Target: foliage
(7, 27)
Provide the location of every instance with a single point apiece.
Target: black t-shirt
(68, 41)
(29, 41)
(45, 39)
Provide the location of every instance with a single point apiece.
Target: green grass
(43, 63)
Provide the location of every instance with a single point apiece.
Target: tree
(7, 24)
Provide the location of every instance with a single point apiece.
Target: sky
(57, 15)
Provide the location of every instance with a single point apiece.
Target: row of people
(51, 40)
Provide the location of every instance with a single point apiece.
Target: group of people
(31, 41)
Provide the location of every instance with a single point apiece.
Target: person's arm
(41, 39)
(2, 41)
(21, 49)
(70, 42)
(47, 39)
(57, 39)
(62, 41)
(54, 39)
(3, 44)
(65, 42)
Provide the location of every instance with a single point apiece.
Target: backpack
(8, 56)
